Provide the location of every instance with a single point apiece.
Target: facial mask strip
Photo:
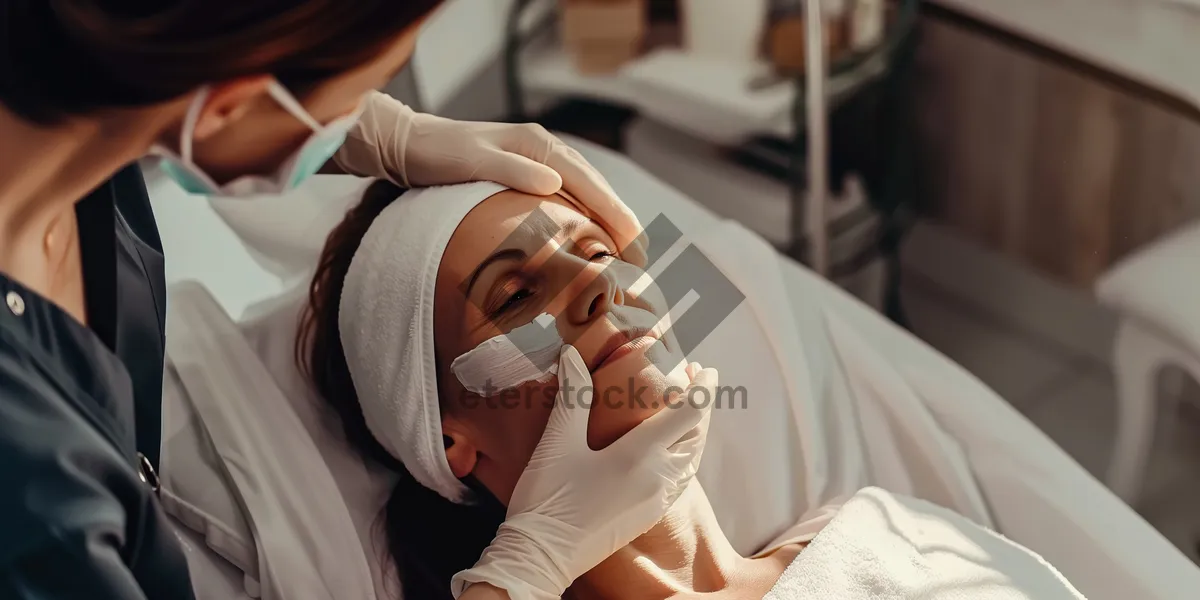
(527, 353)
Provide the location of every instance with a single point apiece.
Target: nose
(592, 295)
(581, 294)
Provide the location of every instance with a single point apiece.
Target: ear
(228, 102)
(461, 452)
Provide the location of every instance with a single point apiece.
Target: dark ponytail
(60, 58)
(428, 537)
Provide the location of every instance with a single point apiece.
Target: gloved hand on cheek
(573, 507)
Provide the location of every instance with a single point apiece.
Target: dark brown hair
(429, 538)
(71, 57)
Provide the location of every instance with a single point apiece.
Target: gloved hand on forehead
(416, 149)
(573, 507)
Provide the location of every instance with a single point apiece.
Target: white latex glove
(574, 507)
(417, 149)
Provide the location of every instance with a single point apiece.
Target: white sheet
(216, 578)
(1034, 492)
(307, 543)
(1037, 494)
(881, 545)
(317, 501)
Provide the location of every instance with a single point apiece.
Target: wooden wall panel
(1050, 166)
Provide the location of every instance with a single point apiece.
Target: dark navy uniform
(80, 419)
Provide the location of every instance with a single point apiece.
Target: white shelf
(548, 69)
(707, 99)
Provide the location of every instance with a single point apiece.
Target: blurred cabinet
(1057, 167)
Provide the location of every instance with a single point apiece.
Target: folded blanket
(882, 546)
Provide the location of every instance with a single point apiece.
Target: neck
(45, 170)
(686, 553)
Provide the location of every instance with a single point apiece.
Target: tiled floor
(1071, 398)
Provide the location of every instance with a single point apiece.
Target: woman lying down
(510, 279)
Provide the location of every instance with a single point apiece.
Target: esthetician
(240, 98)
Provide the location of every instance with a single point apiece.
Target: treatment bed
(249, 253)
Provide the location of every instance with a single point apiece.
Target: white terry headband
(385, 317)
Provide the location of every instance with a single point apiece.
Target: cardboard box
(602, 35)
(602, 58)
(787, 42)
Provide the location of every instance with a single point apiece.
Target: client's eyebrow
(566, 230)
(569, 228)
(513, 254)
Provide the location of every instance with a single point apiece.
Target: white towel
(304, 543)
(881, 546)
(386, 323)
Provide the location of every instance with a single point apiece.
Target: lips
(621, 344)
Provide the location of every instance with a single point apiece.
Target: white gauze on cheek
(527, 353)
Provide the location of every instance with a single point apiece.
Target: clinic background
(1015, 181)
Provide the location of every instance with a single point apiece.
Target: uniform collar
(57, 348)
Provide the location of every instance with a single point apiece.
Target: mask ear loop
(290, 104)
(189, 126)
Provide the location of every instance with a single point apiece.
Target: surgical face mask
(316, 151)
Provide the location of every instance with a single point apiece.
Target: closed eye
(514, 300)
(517, 298)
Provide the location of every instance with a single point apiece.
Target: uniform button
(146, 473)
(15, 303)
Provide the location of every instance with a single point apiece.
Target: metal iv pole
(816, 201)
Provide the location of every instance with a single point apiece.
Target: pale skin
(586, 288)
(590, 290)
